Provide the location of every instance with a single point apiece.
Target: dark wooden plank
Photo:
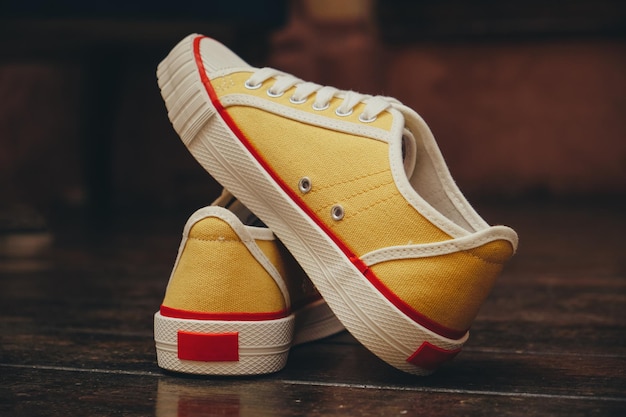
(57, 392)
(341, 360)
(478, 370)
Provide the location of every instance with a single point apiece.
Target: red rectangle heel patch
(208, 347)
(429, 356)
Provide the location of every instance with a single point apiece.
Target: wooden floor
(76, 333)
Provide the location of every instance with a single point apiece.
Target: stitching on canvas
(363, 209)
(358, 193)
(354, 179)
(216, 239)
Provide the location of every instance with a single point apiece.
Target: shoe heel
(211, 347)
(190, 110)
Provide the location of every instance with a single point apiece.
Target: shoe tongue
(409, 152)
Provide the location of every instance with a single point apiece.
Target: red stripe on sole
(353, 258)
(197, 315)
(429, 356)
(208, 347)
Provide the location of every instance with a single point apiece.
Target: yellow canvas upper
(343, 169)
(234, 84)
(354, 171)
(430, 282)
(217, 274)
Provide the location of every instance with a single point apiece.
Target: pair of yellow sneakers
(357, 191)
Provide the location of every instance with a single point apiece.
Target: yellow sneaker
(357, 190)
(236, 300)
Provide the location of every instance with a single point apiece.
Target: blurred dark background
(526, 98)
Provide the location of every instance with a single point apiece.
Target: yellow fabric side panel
(448, 289)
(217, 274)
(344, 169)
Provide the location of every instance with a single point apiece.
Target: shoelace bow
(374, 105)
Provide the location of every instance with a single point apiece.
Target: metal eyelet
(304, 185)
(324, 107)
(364, 120)
(341, 114)
(295, 101)
(337, 212)
(252, 87)
(273, 94)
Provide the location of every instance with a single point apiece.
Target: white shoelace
(374, 105)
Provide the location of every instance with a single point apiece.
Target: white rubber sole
(222, 347)
(364, 311)
(262, 347)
